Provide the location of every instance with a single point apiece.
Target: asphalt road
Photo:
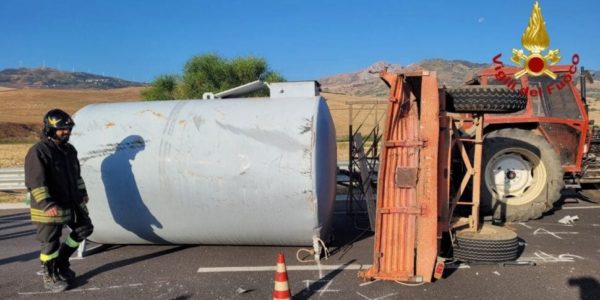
(567, 266)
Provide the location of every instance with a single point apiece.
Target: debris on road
(568, 220)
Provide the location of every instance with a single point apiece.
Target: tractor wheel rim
(515, 176)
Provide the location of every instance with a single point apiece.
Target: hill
(366, 82)
(56, 79)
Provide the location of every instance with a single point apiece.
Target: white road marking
(289, 268)
(552, 233)
(525, 225)
(582, 207)
(543, 257)
(382, 297)
(368, 282)
(457, 266)
(324, 289)
(84, 290)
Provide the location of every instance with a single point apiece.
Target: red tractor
(529, 155)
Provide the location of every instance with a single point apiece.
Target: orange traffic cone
(282, 289)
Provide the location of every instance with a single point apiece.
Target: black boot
(52, 281)
(62, 262)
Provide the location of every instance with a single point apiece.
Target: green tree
(205, 73)
(164, 87)
(211, 73)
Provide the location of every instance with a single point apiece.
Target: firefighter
(58, 198)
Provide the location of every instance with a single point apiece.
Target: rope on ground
(311, 252)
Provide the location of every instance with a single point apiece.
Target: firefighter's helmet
(56, 119)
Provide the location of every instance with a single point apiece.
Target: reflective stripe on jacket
(53, 177)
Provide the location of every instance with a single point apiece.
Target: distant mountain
(56, 79)
(366, 82)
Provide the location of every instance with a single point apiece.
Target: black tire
(522, 175)
(591, 192)
(487, 99)
(490, 244)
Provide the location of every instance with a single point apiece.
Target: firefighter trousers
(49, 233)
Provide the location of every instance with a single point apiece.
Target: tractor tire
(591, 192)
(522, 175)
(490, 244)
(485, 99)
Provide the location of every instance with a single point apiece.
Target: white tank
(254, 171)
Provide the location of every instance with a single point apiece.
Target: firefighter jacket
(52, 176)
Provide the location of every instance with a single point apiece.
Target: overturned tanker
(254, 171)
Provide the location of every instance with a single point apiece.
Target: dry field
(594, 101)
(365, 112)
(23, 109)
(22, 112)
(12, 154)
(595, 112)
(28, 106)
(365, 115)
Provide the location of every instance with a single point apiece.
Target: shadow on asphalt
(17, 234)
(522, 244)
(21, 257)
(348, 229)
(15, 226)
(15, 217)
(83, 279)
(589, 288)
(569, 196)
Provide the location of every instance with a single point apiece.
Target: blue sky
(139, 40)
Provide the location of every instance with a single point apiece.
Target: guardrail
(12, 179)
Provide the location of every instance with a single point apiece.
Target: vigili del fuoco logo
(535, 63)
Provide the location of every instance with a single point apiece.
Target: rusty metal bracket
(415, 210)
(406, 177)
(407, 144)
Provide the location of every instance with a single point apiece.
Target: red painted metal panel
(406, 219)
(527, 115)
(428, 178)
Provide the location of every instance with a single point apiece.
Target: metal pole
(350, 197)
(478, 120)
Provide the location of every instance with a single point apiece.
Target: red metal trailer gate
(406, 226)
